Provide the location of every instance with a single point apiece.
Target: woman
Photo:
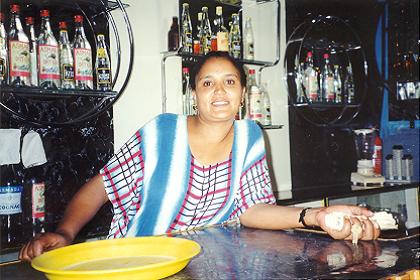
(179, 172)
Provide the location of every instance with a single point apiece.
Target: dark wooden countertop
(241, 253)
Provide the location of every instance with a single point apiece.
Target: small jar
(397, 153)
(389, 166)
(407, 167)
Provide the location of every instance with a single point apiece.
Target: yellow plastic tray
(125, 258)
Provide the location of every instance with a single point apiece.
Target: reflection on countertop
(235, 252)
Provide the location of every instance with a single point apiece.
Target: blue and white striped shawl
(167, 160)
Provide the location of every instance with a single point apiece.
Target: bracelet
(302, 216)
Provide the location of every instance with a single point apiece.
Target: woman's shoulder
(163, 120)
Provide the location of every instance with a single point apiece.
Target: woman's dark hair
(217, 54)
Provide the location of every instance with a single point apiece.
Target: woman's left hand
(354, 215)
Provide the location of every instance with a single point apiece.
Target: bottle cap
(78, 18)
(326, 55)
(29, 20)
(15, 8)
(309, 54)
(204, 9)
(44, 13)
(101, 37)
(219, 10)
(62, 25)
(251, 71)
(200, 16)
(185, 5)
(185, 70)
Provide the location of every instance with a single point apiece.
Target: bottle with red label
(48, 55)
(19, 51)
(82, 55)
(377, 156)
(34, 201)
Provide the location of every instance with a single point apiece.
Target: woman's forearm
(268, 216)
(83, 206)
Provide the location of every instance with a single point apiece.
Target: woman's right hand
(42, 243)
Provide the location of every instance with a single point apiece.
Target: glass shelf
(41, 93)
(193, 58)
(326, 105)
(273, 126)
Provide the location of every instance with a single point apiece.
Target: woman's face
(218, 90)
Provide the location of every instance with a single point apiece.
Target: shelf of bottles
(55, 55)
(325, 71)
(403, 60)
(196, 36)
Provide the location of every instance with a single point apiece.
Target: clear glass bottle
(102, 65)
(19, 51)
(235, 37)
(311, 79)
(187, 99)
(49, 64)
(349, 86)
(327, 81)
(248, 40)
(337, 84)
(66, 58)
(299, 81)
(33, 47)
(222, 34)
(82, 55)
(255, 111)
(266, 104)
(186, 30)
(34, 201)
(3, 51)
(197, 42)
(206, 32)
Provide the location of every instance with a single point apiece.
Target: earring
(194, 106)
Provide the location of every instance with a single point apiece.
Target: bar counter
(235, 252)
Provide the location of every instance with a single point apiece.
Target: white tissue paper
(9, 146)
(33, 153)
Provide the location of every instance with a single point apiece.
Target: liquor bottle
(235, 37)
(11, 188)
(409, 65)
(206, 31)
(311, 79)
(222, 34)
(327, 81)
(266, 105)
(82, 55)
(337, 84)
(173, 35)
(66, 58)
(3, 51)
(197, 49)
(254, 98)
(377, 155)
(34, 201)
(33, 48)
(186, 30)
(102, 65)
(349, 86)
(187, 100)
(19, 51)
(300, 83)
(248, 40)
(48, 57)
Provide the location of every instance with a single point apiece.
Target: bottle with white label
(255, 111)
(349, 86)
(33, 49)
(327, 81)
(48, 55)
(206, 32)
(222, 33)
(248, 40)
(266, 104)
(11, 188)
(235, 37)
(66, 58)
(3, 51)
(82, 55)
(311, 79)
(186, 30)
(19, 51)
(102, 65)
